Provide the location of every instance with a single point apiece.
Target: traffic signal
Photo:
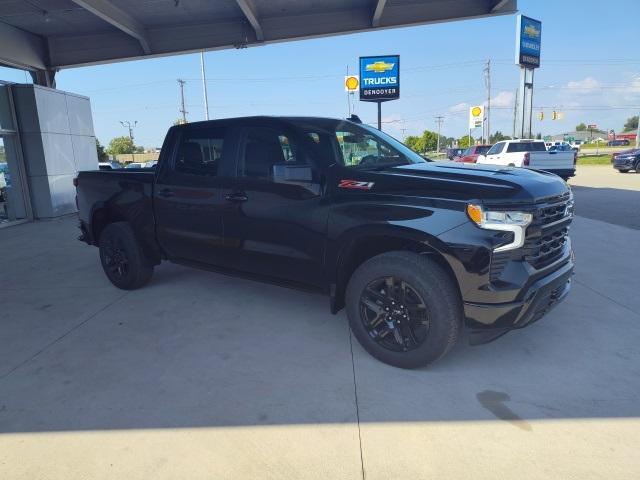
(541, 116)
(554, 115)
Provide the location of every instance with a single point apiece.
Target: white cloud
(460, 107)
(589, 84)
(504, 98)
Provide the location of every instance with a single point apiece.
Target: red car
(470, 155)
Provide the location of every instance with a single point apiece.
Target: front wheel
(623, 170)
(404, 309)
(122, 258)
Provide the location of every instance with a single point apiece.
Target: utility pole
(515, 113)
(638, 134)
(182, 110)
(204, 87)
(129, 126)
(439, 120)
(487, 78)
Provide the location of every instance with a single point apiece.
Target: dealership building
(47, 136)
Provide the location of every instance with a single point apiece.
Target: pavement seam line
(71, 330)
(355, 391)
(608, 298)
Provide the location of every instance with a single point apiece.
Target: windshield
(362, 146)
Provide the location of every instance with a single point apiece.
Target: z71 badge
(356, 184)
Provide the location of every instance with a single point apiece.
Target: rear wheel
(122, 259)
(623, 170)
(403, 309)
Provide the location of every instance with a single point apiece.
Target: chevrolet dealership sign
(379, 78)
(528, 41)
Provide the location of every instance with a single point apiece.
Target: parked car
(135, 165)
(618, 143)
(627, 160)
(414, 250)
(470, 155)
(151, 164)
(563, 147)
(110, 165)
(454, 152)
(531, 154)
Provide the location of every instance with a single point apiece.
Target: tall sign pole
(204, 87)
(379, 80)
(528, 43)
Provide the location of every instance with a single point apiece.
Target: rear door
(494, 155)
(189, 196)
(276, 221)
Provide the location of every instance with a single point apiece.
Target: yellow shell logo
(476, 111)
(351, 83)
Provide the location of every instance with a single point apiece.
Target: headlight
(505, 221)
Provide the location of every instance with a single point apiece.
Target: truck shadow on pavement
(611, 205)
(197, 349)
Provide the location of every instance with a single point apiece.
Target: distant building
(583, 136)
(586, 136)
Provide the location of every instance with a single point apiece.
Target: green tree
(102, 155)
(415, 143)
(498, 137)
(581, 127)
(120, 145)
(430, 140)
(631, 123)
(466, 141)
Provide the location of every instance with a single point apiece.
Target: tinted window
(266, 148)
(200, 152)
(483, 149)
(497, 148)
(526, 147)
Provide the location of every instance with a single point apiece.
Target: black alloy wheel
(394, 314)
(116, 261)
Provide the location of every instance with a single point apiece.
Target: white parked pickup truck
(531, 154)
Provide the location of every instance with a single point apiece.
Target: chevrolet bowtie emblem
(379, 67)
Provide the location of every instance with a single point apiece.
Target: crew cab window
(200, 152)
(497, 148)
(266, 148)
(526, 147)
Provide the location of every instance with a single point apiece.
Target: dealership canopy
(46, 35)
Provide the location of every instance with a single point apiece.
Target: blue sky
(590, 71)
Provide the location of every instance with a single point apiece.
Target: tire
(123, 261)
(623, 170)
(424, 280)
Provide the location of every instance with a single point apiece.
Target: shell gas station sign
(351, 83)
(476, 116)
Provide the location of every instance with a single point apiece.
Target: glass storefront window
(11, 200)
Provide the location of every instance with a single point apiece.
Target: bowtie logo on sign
(380, 78)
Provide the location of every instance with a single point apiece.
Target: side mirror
(300, 175)
(292, 173)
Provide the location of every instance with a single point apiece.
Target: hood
(472, 181)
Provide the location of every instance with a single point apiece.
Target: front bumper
(624, 163)
(491, 321)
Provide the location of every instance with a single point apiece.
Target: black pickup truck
(415, 250)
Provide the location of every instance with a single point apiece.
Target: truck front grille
(548, 234)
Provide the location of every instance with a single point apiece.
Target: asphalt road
(604, 194)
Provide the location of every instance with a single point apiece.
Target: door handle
(166, 192)
(236, 197)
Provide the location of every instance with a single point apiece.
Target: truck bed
(125, 194)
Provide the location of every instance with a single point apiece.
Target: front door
(189, 194)
(277, 226)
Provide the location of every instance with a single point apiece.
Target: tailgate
(551, 160)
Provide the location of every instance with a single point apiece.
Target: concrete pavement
(200, 375)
